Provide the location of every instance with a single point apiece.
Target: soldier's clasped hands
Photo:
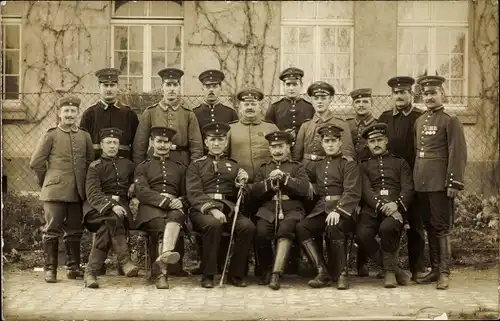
(218, 215)
(175, 204)
(120, 211)
(333, 218)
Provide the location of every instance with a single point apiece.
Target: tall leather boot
(361, 260)
(96, 260)
(167, 256)
(434, 250)
(444, 263)
(120, 247)
(282, 250)
(265, 256)
(322, 279)
(389, 260)
(338, 253)
(51, 248)
(73, 269)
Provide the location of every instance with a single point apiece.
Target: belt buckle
(115, 197)
(173, 147)
(313, 157)
(218, 196)
(327, 197)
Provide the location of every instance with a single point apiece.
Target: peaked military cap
(320, 88)
(401, 82)
(163, 131)
(250, 94)
(69, 101)
(171, 74)
(360, 93)
(110, 132)
(216, 129)
(330, 130)
(279, 137)
(431, 81)
(291, 73)
(374, 130)
(108, 75)
(211, 76)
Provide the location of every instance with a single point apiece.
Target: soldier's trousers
(158, 223)
(314, 227)
(416, 238)
(211, 229)
(388, 229)
(265, 235)
(63, 218)
(437, 212)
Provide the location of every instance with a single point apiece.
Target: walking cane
(236, 211)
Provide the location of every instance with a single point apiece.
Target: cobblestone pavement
(27, 296)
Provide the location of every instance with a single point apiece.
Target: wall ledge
(13, 110)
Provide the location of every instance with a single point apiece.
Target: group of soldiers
(297, 172)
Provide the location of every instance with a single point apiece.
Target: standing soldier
(210, 185)
(308, 144)
(281, 185)
(337, 184)
(387, 193)
(160, 186)
(60, 163)
(400, 122)
(106, 211)
(291, 111)
(109, 112)
(438, 174)
(170, 112)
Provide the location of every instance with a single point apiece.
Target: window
(432, 37)
(146, 37)
(317, 36)
(11, 49)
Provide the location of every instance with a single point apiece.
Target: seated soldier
(106, 210)
(387, 192)
(211, 183)
(281, 185)
(159, 184)
(336, 183)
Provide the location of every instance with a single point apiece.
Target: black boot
(73, 269)
(389, 260)
(96, 259)
(51, 248)
(322, 279)
(264, 254)
(282, 250)
(444, 263)
(120, 247)
(167, 255)
(338, 253)
(433, 275)
(361, 261)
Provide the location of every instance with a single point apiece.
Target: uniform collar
(327, 116)
(211, 104)
(295, 100)
(109, 157)
(161, 158)
(72, 129)
(395, 110)
(334, 156)
(286, 159)
(256, 121)
(217, 158)
(165, 107)
(435, 110)
(367, 121)
(106, 105)
(384, 155)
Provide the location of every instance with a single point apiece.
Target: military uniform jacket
(289, 114)
(308, 143)
(186, 144)
(357, 127)
(386, 179)
(295, 186)
(60, 162)
(248, 145)
(400, 130)
(206, 114)
(208, 176)
(101, 115)
(337, 178)
(441, 152)
(107, 184)
(154, 177)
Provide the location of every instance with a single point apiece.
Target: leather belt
(283, 197)
(217, 196)
(168, 195)
(178, 148)
(313, 157)
(332, 197)
(121, 147)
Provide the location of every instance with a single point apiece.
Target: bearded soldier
(159, 186)
(281, 185)
(438, 174)
(387, 193)
(106, 211)
(211, 183)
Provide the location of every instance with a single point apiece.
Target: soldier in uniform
(159, 187)
(281, 185)
(291, 111)
(170, 112)
(337, 185)
(60, 163)
(109, 112)
(387, 193)
(308, 144)
(438, 175)
(400, 122)
(106, 211)
(212, 193)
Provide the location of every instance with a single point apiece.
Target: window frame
(431, 26)
(14, 103)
